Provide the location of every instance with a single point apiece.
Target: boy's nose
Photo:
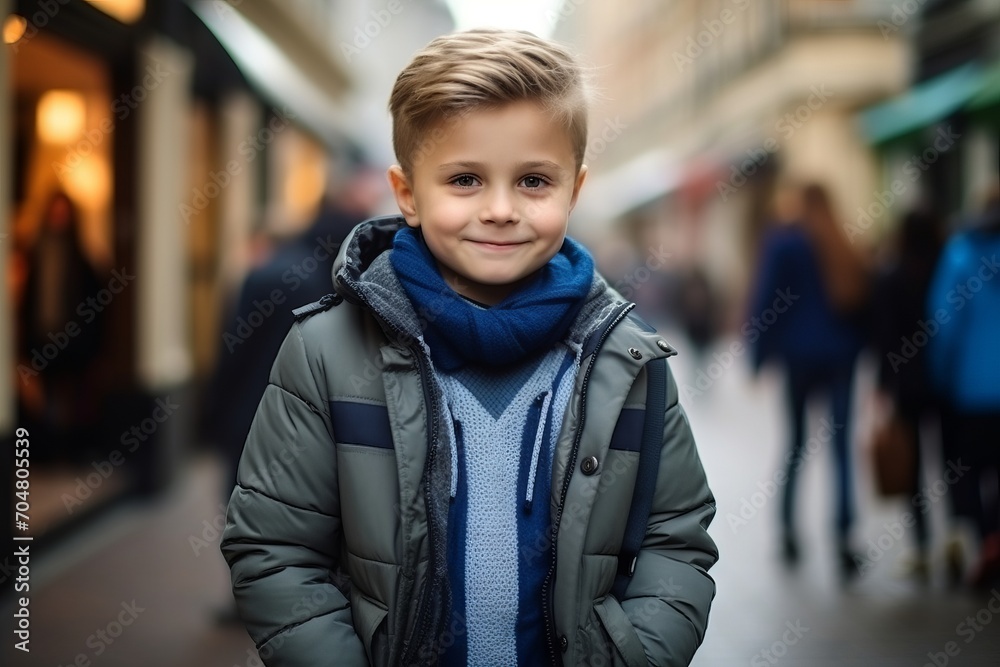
(498, 207)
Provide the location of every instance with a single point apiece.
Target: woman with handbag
(906, 400)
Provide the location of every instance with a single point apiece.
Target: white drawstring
(454, 458)
(543, 417)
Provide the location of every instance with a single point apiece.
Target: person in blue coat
(964, 363)
(807, 303)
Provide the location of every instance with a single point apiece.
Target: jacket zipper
(547, 588)
(420, 624)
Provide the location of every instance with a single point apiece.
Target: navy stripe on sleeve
(361, 424)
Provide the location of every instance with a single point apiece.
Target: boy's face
(492, 197)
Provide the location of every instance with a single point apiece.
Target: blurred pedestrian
(964, 361)
(58, 347)
(898, 309)
(697, 309)
(294, 274)
(809, 298)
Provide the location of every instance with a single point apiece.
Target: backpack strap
(645, 481)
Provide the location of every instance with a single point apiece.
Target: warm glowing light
(304, 186)
(126, 11)
(61, 116)
(88, 182)
(13, 28)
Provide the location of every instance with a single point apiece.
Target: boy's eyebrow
(480, 166)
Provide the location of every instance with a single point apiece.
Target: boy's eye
(533, 182)
(464, 181)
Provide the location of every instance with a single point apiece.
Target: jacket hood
(363, 274)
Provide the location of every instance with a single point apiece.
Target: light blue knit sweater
(505, 425)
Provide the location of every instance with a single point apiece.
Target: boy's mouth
(497, 245)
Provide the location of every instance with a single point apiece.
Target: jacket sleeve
(282, 535)
(670, 592)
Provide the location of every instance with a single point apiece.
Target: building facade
(178, 131)
(715, 101)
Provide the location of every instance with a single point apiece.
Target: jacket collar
(362, 246)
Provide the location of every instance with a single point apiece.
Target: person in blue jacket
(964, 362)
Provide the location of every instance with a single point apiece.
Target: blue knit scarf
(531, 319)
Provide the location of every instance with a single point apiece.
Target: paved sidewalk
(132, 592)
(766, 615)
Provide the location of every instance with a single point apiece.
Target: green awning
(989, 90)
(922, 105)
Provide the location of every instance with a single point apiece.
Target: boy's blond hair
(485, 69)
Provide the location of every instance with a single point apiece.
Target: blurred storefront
(171, 153)
(729, 96)
(943, 132)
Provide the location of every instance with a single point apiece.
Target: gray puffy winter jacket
(328, 537)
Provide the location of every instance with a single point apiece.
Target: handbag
(894, 444)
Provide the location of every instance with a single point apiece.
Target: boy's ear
(402, 190)
(580, 178)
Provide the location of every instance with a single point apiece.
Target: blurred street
(763, 615)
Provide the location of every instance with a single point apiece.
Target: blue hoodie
(964, 300)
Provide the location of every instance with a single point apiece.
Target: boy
(451, 438)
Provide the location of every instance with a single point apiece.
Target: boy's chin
(490, 289)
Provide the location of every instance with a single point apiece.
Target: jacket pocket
(627, 648)
(369, 619)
